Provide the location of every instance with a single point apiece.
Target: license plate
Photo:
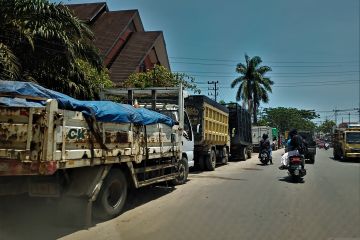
(296, 172)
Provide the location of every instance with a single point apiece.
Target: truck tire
(183, 170)
(225, 157)
(112, 195)
(243, 153)
(210, 161)
(248, 154)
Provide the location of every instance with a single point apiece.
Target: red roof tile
(132, 55)
(87, 11)
(109, 27)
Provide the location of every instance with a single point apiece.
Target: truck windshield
(353, 137)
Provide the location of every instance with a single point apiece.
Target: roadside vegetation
(287, 118)
(160, 76)
(44, 43)
(254, 86)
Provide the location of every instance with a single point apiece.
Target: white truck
(257, 133)
(50, 151)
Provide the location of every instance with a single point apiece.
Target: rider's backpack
(298, 143)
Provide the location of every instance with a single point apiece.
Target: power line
(300, 82)
(227, 60)
(272, 73)
(308, 85)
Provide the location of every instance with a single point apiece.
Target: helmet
(265, 136)
(293, 132)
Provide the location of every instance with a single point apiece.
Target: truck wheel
(248, 154)
(183, 170)
(112, 195)
(243, 153)
(225, 158)
(210, 161)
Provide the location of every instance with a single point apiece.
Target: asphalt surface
(242, 200)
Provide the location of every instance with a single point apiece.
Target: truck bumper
(352, 155)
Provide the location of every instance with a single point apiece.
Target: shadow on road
(346, 160)
(290, 179)
(219, 177)
(22, 217)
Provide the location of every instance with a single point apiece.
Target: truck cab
(346, 143)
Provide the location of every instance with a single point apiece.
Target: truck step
(153, 168)
(158, 179)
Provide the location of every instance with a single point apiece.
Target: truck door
(188, 140)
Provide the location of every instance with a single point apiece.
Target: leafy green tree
(285, 119)
(160, 76)
(327, 126)
(43, 42)
(253, 85)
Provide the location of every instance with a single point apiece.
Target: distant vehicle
(257, 133)
(240, 132)
(310, 145)
(346, 143)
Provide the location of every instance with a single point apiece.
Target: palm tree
(43, 42)
(254, 86)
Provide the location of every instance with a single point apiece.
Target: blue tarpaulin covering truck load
(105, 111)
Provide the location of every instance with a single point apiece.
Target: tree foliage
(43, 42)
(253, 85)
(285, 119)
(327, 126)
(160, 76)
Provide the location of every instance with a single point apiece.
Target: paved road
(242, 200)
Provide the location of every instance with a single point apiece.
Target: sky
(312, 47)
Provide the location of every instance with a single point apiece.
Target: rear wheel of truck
(112, 195)
(243, 153)
(210, 161)
(183, 170)
(225, 157)
(248, 154)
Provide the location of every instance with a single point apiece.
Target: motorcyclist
(265, 144)
(294, 144)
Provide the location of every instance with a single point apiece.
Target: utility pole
(336, 111)
(215, 89)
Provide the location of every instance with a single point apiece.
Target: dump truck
(346, 142)
(240, 132)
(55, 146)
(210, 125)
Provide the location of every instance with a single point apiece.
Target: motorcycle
(326, 146)
(296, 168)
(264, 157)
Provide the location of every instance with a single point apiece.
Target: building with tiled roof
(122, 41)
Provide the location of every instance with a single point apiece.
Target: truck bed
(209, 120)
(41, 140)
